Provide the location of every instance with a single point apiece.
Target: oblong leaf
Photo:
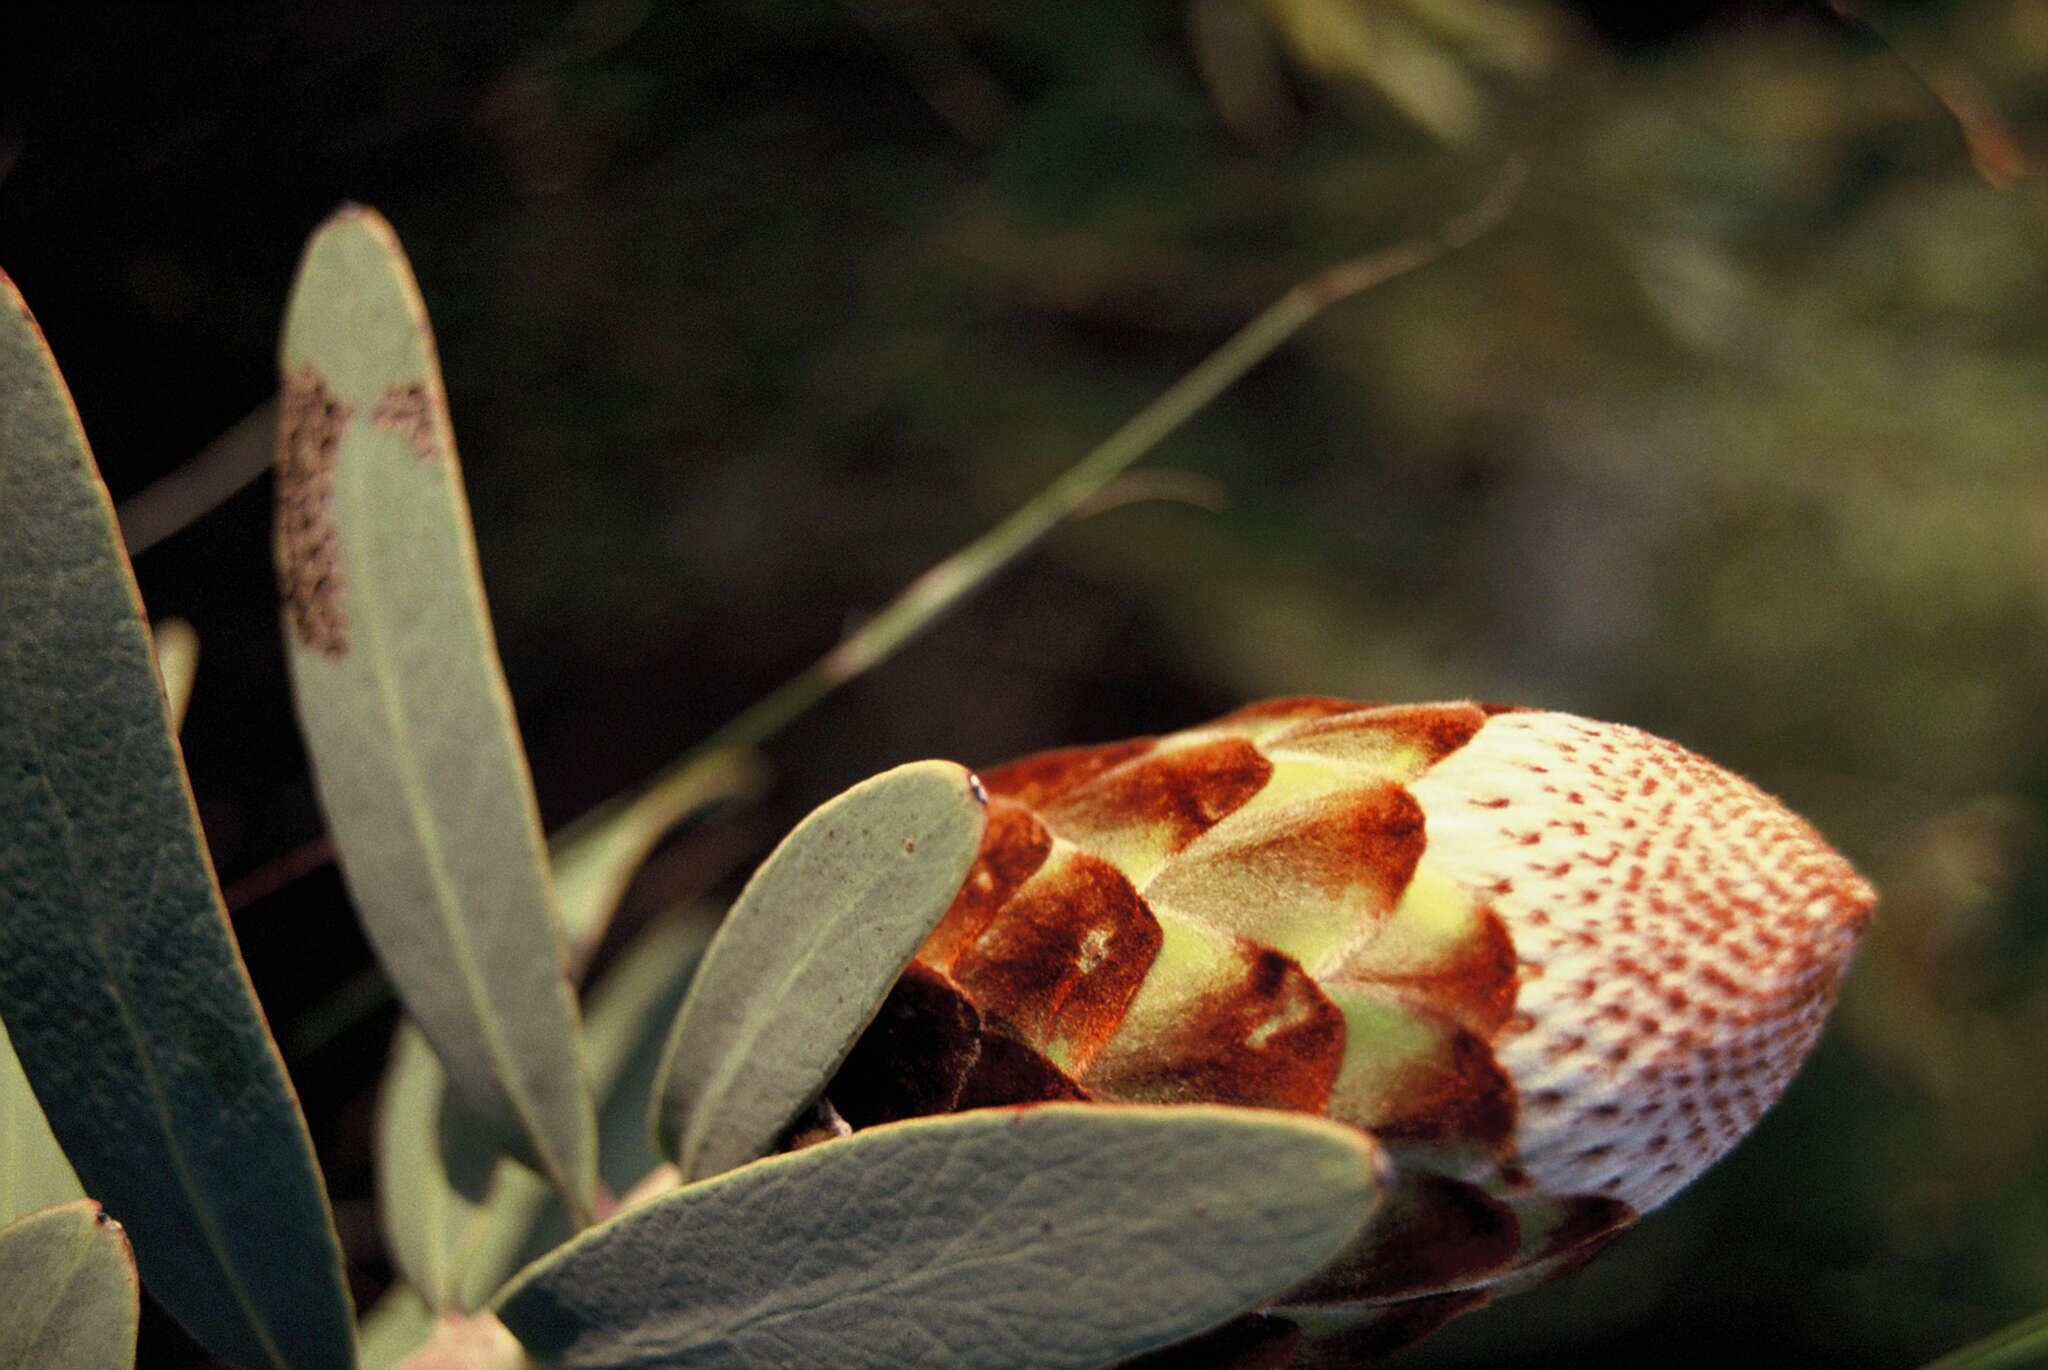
(68, 1296)
(455, 1234)
(807, 954)
(1060, 1237)
(122, 988)
(403, 704)
(33, 1171)
(433, 1176)
(630, 1011)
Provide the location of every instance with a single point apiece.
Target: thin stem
(937, 591)
(2022, 1344)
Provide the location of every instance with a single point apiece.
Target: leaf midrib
(447, 901)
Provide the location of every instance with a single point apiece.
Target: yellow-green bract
(1557, 967)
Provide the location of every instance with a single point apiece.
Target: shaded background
(752, 310)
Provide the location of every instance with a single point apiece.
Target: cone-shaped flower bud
(1556, 967)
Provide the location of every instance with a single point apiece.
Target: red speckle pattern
(1680, 937)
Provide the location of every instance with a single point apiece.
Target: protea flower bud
(1556, 967)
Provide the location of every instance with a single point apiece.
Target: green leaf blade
(802, 963)
(1063, 1237)
(456, 1234)
(68, 1294)
(124, 993)
(404, 707)
(33, 1171)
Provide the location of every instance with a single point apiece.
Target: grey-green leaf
(596, 857)
(455, 1235)
(805, 958)
(394, 1327)
(434, 1174)
(123, 991)
(68, 1296)
(1060, 1237)
(33, 1171)
(403, 703)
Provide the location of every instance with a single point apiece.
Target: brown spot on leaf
(408, 411)
(1060, 962)
(311, 422)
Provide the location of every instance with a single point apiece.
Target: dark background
(751, 311)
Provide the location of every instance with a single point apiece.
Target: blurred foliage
(751, 310)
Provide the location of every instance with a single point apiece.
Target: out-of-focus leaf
(33, 1171)
(68, 1296)
(807, 954)
(397, 1325)
(123, 991)
(403, 703)
(2018, 1347)
(630, 1011)
(1382, 46)
(457, 1233)
(177, 661)
(433, 1173)
(1061, 1236)
(596, 857)
(401, 1326)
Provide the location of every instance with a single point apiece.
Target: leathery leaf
(1062, 1237)
(403, 704)
(805, 957)
(124, 993)
(68, 1296)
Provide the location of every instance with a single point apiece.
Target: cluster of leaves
(1747, 396)
(1060, 1236)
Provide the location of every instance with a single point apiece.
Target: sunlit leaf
(68, 1297)
(122, 988)
(807, 954)
(403, 703)
(1057, 1236)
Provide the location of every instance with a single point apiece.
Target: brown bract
(1557, 967)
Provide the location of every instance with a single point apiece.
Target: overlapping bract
(1557, 967)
